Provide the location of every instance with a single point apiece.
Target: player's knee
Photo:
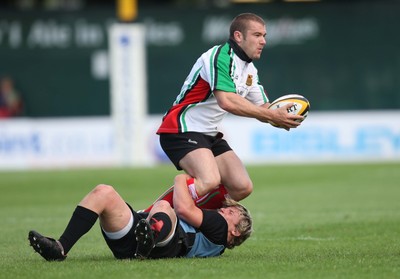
(103, 191)
(247, 188)
(162, 205)
(242, 190)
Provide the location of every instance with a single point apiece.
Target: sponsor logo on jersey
(249, 80)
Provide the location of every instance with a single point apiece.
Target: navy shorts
(176, 146)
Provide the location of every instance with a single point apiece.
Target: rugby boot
(49, 248)
(144, 238)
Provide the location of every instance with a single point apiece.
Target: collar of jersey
(239, 51)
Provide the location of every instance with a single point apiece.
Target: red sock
(212, 200)
(192, 188)
(167, 196)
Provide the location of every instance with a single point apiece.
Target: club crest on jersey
(249, 80)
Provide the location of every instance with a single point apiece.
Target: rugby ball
(300, 105)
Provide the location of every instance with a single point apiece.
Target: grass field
(313, 221)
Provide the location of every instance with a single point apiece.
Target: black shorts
(177, 247)
(125, 247)
(176, 146)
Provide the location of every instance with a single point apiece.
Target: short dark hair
(239, 23)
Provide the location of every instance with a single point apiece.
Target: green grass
(312, 221)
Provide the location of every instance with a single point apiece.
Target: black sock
(161, 224)
(81, 222)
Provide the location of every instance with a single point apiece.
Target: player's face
(232, 217)
(254, 40)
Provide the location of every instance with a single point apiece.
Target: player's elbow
(226, 105)
(182, 211)
(179, 209)
(225, 100)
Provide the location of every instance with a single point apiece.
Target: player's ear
(235, 232)
(238, 36)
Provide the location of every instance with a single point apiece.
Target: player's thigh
(200, 163)
(116, 214)
(234, 175)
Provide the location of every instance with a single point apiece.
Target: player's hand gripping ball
(300, 105)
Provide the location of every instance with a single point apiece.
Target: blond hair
(245, 226)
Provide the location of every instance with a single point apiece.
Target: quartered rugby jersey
(210, 239)
(223, 67)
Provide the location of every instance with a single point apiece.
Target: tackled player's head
(245, 225)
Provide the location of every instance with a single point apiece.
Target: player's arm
(237, 105)
(184, 205)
